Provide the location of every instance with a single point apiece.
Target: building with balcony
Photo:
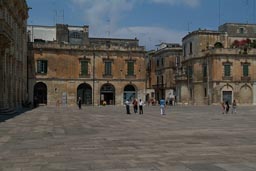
(219, 65)
(13, 54)
(65, 64)
(162, 64)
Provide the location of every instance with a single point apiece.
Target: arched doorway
(40, 93)
(107, 94)
(85, 92)
(227, 94)
(245, 95)
(129, 93)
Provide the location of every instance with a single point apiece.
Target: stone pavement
(106, 139)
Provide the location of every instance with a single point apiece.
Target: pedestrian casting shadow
(5, 117)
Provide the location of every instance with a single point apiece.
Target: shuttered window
(42, 66)
(84, 68)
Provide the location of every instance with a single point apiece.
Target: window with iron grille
(227, 69)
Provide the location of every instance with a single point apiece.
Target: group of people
(225, 107)
(140, 104)
(136, 104)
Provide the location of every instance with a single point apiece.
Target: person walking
(141, 107)
(162, 106)
(135, 105)
(234, 106)
(127, 106)
(227, 107)
(79, 102)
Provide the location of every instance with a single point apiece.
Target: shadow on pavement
(4, 117)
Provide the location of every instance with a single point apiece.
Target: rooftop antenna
(253, 9)
(219, 11)
(108, 28)
(59, 16)
(247, 10)
(189, 23)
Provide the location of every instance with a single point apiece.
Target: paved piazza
(106, 139)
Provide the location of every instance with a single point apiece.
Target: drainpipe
(93, 78)
(208, 81)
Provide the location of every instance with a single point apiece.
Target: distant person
(162, 106)
(141, 107)
(127, 106)
(79, 102)
(234, 105)
(223, 107)
(227, 107)
(58, 103)
(135, 105)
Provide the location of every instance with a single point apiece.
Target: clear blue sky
(151, 21)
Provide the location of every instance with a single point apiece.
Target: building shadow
(5, 117)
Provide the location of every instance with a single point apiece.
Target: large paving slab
(106, 139)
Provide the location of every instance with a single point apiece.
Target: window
(162, 60)
(108, 68)
(190, 72)
(184, 50)
(130, 68)
(245, 70)
(42, 66)
(190, 48)
(241, 30)
(157, 62)
(204, 70)
(227, 69)
(76, 35)
(84, 68)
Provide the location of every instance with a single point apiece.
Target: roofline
(55, 25)
(238, 24)
(96, 38)
(198, 32)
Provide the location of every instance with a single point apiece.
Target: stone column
(254, 93)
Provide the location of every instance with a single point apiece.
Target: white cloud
(150, 36)
(190, 3)
(103, 17)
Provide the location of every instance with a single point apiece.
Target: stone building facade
(163, 65)
(13, 54)
(66, 64)
(219, 65)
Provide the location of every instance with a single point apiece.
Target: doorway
(227, 96)
(40, 93)
(107, 94)
(85, 92)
